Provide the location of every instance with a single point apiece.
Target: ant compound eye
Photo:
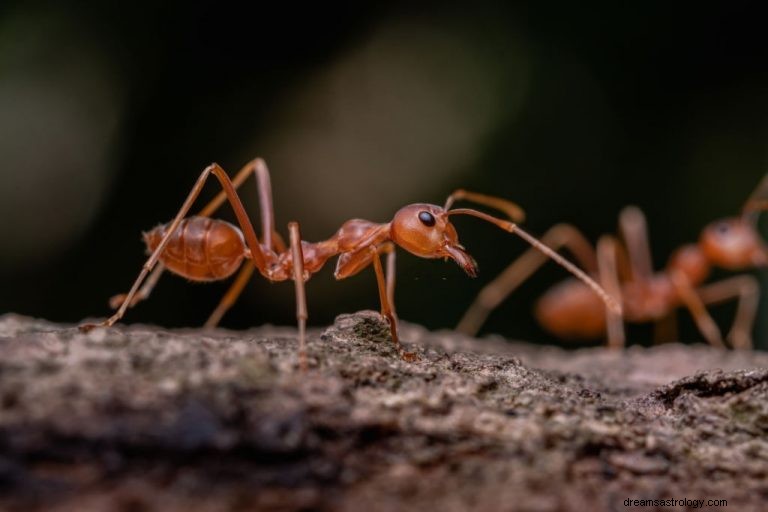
(427, 218)
(722, 228)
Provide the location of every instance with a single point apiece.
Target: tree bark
(145, 419)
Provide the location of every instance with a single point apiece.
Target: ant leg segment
(494, 293)
(695, 305)
(387, 310)
(744, 288)
(391, 262)
(265, 191)
(607, 247)
(388, 248)
(278, 244)
(252, 241)
(144, 291)
(229, 298)
(512, 210)
(634, 230)
(297, 256)
(258, 167)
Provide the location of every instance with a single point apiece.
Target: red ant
(204, 249)
(569, 311)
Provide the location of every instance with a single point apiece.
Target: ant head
(733, 244)
(424, 230)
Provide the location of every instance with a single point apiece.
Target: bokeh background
(573, 109)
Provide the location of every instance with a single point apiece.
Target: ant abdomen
(201, 249)
(571, 310)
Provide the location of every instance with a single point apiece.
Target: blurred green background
(109, 112)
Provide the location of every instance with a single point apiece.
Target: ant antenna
(756, 202)
(512, 210)
(511, 227)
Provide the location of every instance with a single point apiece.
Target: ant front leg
(607, 249)
(256, 253)
(744, 288)
(698, 310)
(387, 308)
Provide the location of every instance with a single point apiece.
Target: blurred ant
(203, 249)
(569, 311)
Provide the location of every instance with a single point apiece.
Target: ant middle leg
(297, 259)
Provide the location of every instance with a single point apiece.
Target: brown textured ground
(145, 419)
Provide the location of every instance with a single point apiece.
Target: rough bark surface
(145, 419)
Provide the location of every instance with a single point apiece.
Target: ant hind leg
(252, 241)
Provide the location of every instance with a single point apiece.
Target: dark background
(108, 113)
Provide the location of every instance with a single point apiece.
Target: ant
(200, 248)
(568, 310)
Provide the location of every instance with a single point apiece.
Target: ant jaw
(462, 258)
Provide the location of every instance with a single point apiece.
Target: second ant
(625, 270)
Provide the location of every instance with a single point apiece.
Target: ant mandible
(203, 249)
(568, 310)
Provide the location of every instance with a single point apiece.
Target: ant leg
(634, 231)
(116, 300)
(270, 236)
(695, 305)
(744, 288)
(389, 249)
(301, 297)
(387, 311)
(259, 169)
(257, 254)
(494, 293)
(278, 244)
(229, 298)
(607, 247)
